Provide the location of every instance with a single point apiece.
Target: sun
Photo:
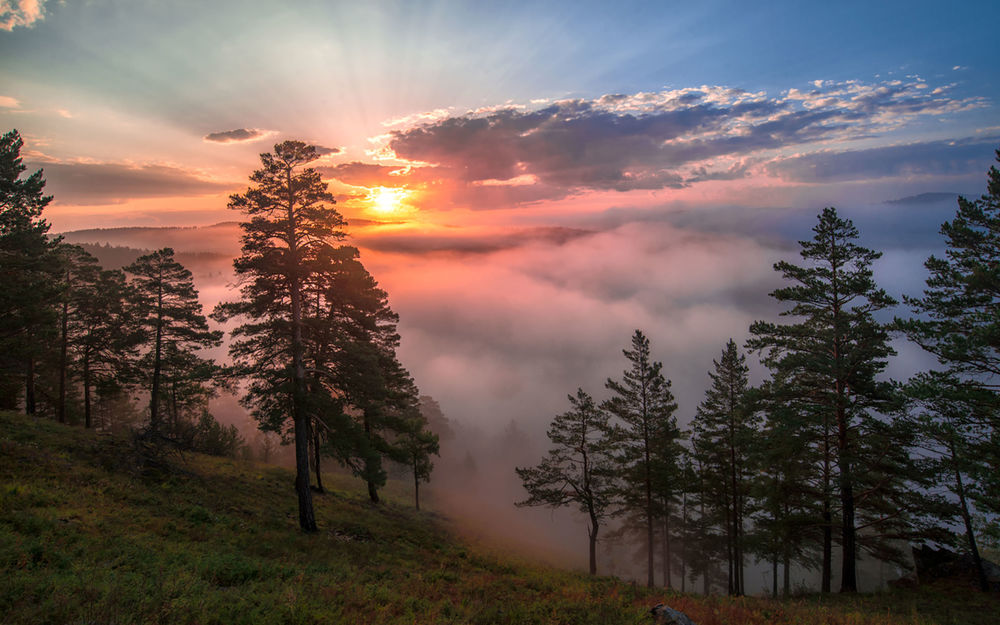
(386, 200)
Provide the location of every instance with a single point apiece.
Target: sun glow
(386, 200)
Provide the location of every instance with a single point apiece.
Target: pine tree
(727, 428)
(789, 485)
(28, 272)
(958, 320)
(78, 270)
(579, 468)
(644, 406)
(169, 311)
(418, 444)
(834, 353)
(351, 338)
(290, 224)
(107, 336)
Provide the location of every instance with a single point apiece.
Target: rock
(668, 616)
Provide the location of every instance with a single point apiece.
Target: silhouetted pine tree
(644, 406)
(29, 273)
(106, 336)
(169, 311)
(726, 428)
(290, 223)
(579, 469)
(958, 320)
(833, 353)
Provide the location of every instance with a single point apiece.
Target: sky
(530, 182)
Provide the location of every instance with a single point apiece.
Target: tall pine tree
(833, 351)
(29, 272)
(727, 428)
(958, 320)
(644, 407)
(290, 224)
(171, 315)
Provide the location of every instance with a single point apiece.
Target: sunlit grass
(84, 541)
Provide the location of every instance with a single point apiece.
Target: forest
(825, 462)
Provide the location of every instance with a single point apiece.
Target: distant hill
(926, 198)
(220, 238)
(118, 256)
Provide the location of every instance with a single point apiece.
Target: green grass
(84, 540)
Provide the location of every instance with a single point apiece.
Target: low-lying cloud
(239, 135)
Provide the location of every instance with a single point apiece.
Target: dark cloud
(324, 151)
(642, 141)
(108, 183)
(240, 135)
(964, 157)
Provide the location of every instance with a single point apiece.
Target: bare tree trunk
(154, 400)
(307, 517)
(63, 357)
(416, 490)
(848, 576)
(984, 583)
(316, 455)
(86, 390)
(29, 387)
(592, 539)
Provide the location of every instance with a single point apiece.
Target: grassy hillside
(85, 538)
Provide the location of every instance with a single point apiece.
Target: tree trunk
(984, 583)
(774, 576)
(319, 475)
(154, 400)
(307, 518)
(730, 587)
(665, 553)
(29, 387)
(63, 353)
(86, 391)
(848, 575)
(827, 516)
(684, 539)
(416, 489)
(785, 573)
(592, 539)
(649, 510)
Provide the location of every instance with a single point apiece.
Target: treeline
(827, 453)
(313, 347)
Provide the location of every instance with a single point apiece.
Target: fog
(499, 335)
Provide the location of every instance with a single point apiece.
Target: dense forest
(825, 455)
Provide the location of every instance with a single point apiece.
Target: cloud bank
(512, 155)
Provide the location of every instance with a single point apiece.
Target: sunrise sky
(529, 181)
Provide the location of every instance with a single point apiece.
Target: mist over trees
(825, 455)
(827, 452)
